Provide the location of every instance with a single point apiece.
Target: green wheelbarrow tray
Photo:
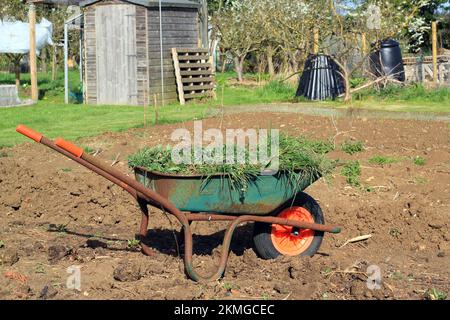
(215, 194)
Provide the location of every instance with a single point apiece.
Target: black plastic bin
(321, 79)
(387, 60)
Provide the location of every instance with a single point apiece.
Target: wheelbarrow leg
(144, 228)
(180, 237)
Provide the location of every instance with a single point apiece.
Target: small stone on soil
(127, 272)
(94, 244)
(293, 272)
(23, 291)
(47, 292)
(357, 289)
(436, 225)
(56, 253)
(8, 257)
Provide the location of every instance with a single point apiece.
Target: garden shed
(127, 61)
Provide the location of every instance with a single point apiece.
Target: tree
(377, 20)
(285, 26)
(237, 33)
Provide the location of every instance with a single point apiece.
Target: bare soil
(55, 214)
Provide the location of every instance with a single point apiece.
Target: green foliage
(62, 228)
(352, 172)
(133, 243)
(39, 268)
(48, 88)
(382, 160)
(296, 154)
(419, 161)
(415, 93)
(2, 244)
(54, 118)
(317, 146)
(228, 286)
(352, 147)
(434, 294)
(88, 149)
(277, 88)
(356, 82)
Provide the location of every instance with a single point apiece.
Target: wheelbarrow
(287, 221)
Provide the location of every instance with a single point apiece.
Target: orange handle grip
(69, 147)
(30, 133)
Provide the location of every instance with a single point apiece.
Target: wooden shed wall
(180, 29)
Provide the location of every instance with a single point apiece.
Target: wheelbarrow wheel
(271, 241)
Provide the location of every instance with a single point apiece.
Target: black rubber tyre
(262, 239)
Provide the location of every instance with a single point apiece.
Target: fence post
(33, 63)
(363, 43)
(434, 46)
(316, 41)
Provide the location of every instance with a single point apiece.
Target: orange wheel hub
(291, 241)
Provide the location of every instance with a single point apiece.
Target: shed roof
(56, 2)
(153, 3)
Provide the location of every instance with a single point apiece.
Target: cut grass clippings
(296, 155)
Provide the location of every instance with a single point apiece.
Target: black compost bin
(387, 60)
(321, 79)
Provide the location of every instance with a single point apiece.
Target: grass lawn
(74, 121)
(54, 118)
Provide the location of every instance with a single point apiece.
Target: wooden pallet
(194, 73)
(413, 60)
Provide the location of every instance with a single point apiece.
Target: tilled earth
(55, 214)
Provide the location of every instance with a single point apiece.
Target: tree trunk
(44, 60)
(346, 77)
(271, 67)
(17, 73)
(293, 65)
(54, 63)
(224, 61)
(284, 69)
(347, 95)
(239, 68)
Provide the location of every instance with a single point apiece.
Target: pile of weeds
(297, 156)
(352, 147)
(352, 172)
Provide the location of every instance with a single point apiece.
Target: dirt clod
(127, 272)
(94, 244)
(9, 257)
(57, 252)
(293, 272)
(48, 292)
